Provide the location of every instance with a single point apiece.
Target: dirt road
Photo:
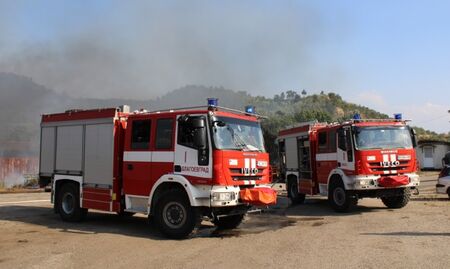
(303, 236)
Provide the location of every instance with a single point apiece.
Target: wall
(18, 165)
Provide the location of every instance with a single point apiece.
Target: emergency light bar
(250, 109)
(398, 116)
(213, 102)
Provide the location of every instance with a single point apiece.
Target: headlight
(223, 196)
(365, 182)
(414, 179)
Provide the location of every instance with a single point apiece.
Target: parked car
(446, 159)
(443, 184)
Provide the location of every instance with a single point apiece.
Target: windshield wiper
(241, 143)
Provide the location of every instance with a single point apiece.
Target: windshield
(385, 137)
(236, 134)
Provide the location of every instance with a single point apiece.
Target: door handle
(130, 166)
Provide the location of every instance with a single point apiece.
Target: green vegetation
(22, 101)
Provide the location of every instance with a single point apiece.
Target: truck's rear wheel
(229, 222)
(397, 201)
(292, 188)
(69, 203)
(174, 215)
(340, 199)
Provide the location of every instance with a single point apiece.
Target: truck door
(137, 157)
(163, 149)
(326, 154)
(193, 154)
(345, 152)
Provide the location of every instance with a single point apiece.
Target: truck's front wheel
(174, 215)
(229, 222)
(340, 199)
(69, 203)
(397, 201)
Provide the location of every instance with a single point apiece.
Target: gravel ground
(308, 235)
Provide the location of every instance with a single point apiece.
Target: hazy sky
(393, 56)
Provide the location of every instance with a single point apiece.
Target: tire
(340, 199)
(229, 222)
(397, 201)
(174, 216)
(296, 197)
(69, 203)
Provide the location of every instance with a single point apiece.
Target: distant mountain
(22, 101)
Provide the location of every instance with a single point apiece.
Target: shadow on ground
(319, 207)
(408, 234)
(136, 226)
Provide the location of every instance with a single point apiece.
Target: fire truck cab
(349, 161)
(175, 166)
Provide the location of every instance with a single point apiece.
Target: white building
(431, 152)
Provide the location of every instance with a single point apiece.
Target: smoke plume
(144, 49)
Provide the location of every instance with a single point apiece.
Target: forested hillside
(22, 101)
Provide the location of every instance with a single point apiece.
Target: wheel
(229, 222)
(69, 203)
(397, 201)
(340, 199)
(296, 197)
(174, 216)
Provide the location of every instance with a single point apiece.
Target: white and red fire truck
(349, 161)
(176, 166)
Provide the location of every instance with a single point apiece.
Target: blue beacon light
(213, 102)
(398, 116)
(250, 109)
(357, 116)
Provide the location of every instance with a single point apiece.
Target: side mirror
(219, 123)
(414, 137)
(198, 123)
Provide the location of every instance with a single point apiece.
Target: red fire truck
(349, 161)
(176, 166)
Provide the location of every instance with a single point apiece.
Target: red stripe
(97, 196)
(95, 190)
(80, 115)
(96, 205)
(294, 130)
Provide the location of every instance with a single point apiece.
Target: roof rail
(373, 120)
(206, 108)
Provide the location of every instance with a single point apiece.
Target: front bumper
(370, 182)
(224, 196)
(441, 188)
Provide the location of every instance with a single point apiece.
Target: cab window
(140, 137)
(323, 145)
(164, 129)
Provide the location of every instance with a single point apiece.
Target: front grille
(237, 178)
(376, 167)
(237, 171)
